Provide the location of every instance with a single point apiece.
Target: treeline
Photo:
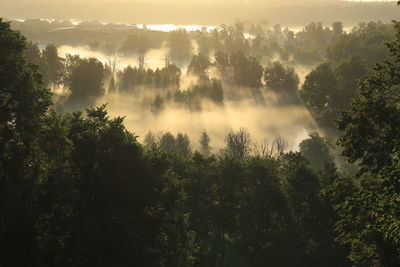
(130, 78)
(312, 45)
(327, 90)
(78, 189)
(261, 40)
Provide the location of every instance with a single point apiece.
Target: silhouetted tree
(204, 142)
(316, 151)
(54, 63)
(238, 144)
(180, 46)
(85, 82)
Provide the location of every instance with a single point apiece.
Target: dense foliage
(78, 189)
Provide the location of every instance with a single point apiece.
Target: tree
(328, 89)
(279, 77)
(238, 144)
(34, 56)
(206, 90)
(166, 143)
(199, 65)
(170, 76)
(317, 93)
(204, 142)
(180, 46)
(316, 151)
(337, 28)
(222, 64)
(368, 221)
(313, 218)
(283, 80)
(85, 81)
(204, 43)
(54, 63)
(158, 105)
(112, 87)
(23, 106)
(371, 127)
(366, 40)
(110, 226)
(150, 141)
(177, 245)
(268, 149)
(247, 71)
(370, 137)
(256, 46)
(182, 145)
(239, 69)
(348, 73)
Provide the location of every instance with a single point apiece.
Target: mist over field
(159, 76)
(262, 116)
(263, 122)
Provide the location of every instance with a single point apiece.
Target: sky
(208, 2)
(201, 12)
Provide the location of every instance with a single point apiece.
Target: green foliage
(315, 149)
(169, 144)
(79, 190)
(204, 142)
(23, 106)
(247, 71)
(50, 64)
(54, 63)
(328, 89)
(280, 78)
(238, 144)
(158, 105)
(132, 78)
(337, 28)
(368, 221)
(368, 212)
(315, 36)
(317, 91)
(180, 46)
(307, 56)
(177, 245)
(199, 65)
(204, 43)
(371, 127)
(149, 141)
(239, 69)
(206, 90)
(283, 80)
(84, 79)
(366, 40)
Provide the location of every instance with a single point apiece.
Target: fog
(267, 121)
(257, 109)
(154, 57)
(262, 116)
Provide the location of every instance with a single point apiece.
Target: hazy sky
(182, 2)
(204, 12)
(26, 2)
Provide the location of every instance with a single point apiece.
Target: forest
(239, 145)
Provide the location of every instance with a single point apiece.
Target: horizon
(202, 13)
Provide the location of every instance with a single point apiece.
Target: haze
(199, 12)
